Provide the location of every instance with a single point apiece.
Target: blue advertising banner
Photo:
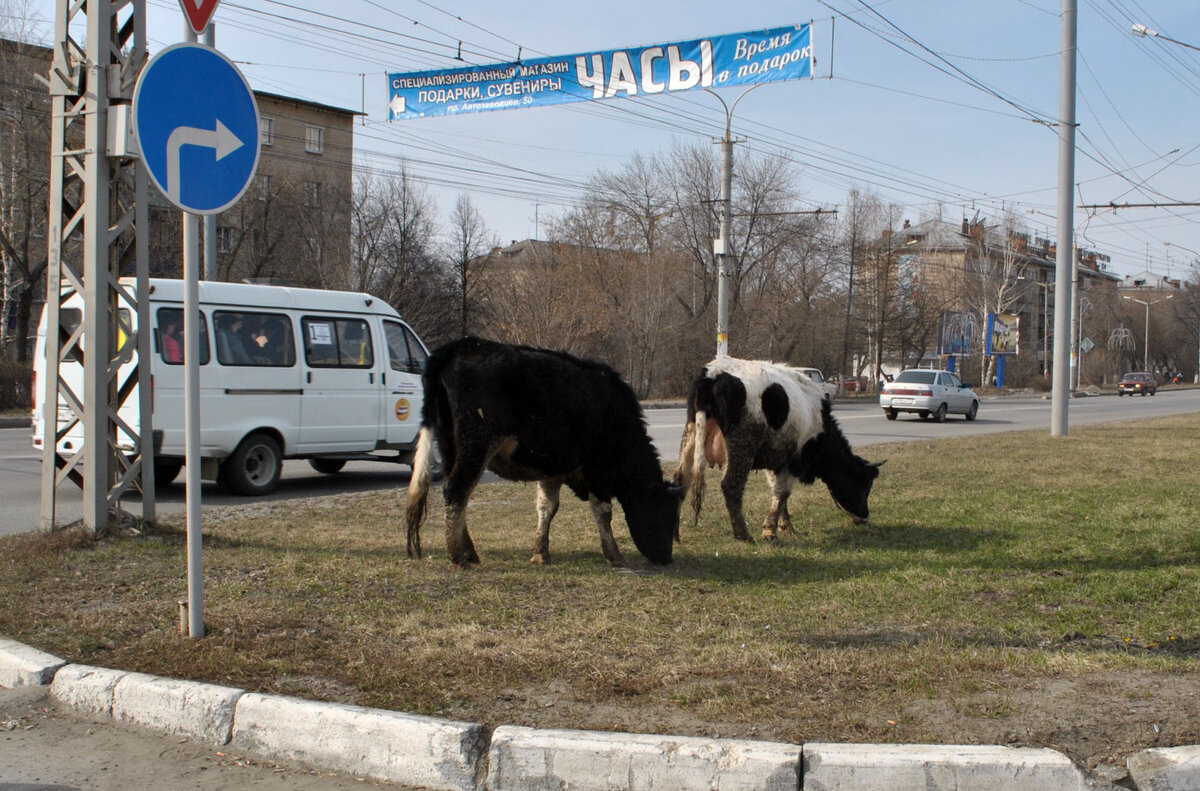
(1003, 332)
(783, 53)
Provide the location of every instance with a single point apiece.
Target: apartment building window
(264, 187)
(312, 194)
(314, 139)
(224, 239)
(266, 131)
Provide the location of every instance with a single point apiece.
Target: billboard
(1003, 333)
(956, 333)
(782, 53)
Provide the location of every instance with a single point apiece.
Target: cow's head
(654, 519)
(850, 484)
(849, 477)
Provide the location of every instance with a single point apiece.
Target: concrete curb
(187, 708)
(383, 745)
(85, 688)
(1165, 769)
(917, 767)
(445, 754)
(524, 759)
(22, 666)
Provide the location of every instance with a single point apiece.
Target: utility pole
(721, 243)
(97, 187)
(1065, 252)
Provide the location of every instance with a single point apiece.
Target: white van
(295, 373)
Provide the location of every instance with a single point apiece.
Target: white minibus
(285, 373)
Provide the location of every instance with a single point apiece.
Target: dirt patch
(1098, 719)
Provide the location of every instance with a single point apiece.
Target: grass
(1005, 586)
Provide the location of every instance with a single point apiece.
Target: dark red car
(1132, 383)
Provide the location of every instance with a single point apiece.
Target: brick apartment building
(293, 224)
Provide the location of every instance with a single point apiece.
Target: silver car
(929, 393)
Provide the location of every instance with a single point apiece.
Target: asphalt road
(862, 421)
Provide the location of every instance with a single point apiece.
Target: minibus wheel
(165, 472)
(253, 469)
(327, 466)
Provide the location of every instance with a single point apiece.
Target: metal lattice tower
(98, 230)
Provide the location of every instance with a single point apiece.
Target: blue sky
(912, 99)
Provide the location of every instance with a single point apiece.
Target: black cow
(764, 416)
(538, 415)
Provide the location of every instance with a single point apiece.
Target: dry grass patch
(1010, 589)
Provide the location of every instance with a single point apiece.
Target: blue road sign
(197, 126)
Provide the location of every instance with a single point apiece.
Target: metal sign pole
(191, 96)
(191, 409)
(191, 406)
(210, 220)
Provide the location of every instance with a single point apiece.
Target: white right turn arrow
(221, 140)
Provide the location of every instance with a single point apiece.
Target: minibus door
(339, 410)
(403, 396)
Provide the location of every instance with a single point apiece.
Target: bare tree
(394, 235)
(994, 265)
(468, 246)
(536, 296)
(631, 291)
(870, 252)
(24, 174)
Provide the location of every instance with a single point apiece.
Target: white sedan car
(929, 393)
(815, 374)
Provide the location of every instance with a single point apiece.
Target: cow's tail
(699, 463)
(685, 472)
(418, 489)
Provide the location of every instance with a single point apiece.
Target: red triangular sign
(198, 13)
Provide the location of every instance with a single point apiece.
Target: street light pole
(1146, 341)
(1045, 288)
(1196, 380)
(1141, 31)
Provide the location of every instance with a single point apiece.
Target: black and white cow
(748, 415)
(538, 415)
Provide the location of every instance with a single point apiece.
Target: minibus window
(354, 341)
(170, 336)
(398, 358)
(69, 318)
(257, 339)
(337, 343)
(416, 353)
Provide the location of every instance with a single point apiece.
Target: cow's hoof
(769, 535)
(540, 559)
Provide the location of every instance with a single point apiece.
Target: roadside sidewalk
(45, 747)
